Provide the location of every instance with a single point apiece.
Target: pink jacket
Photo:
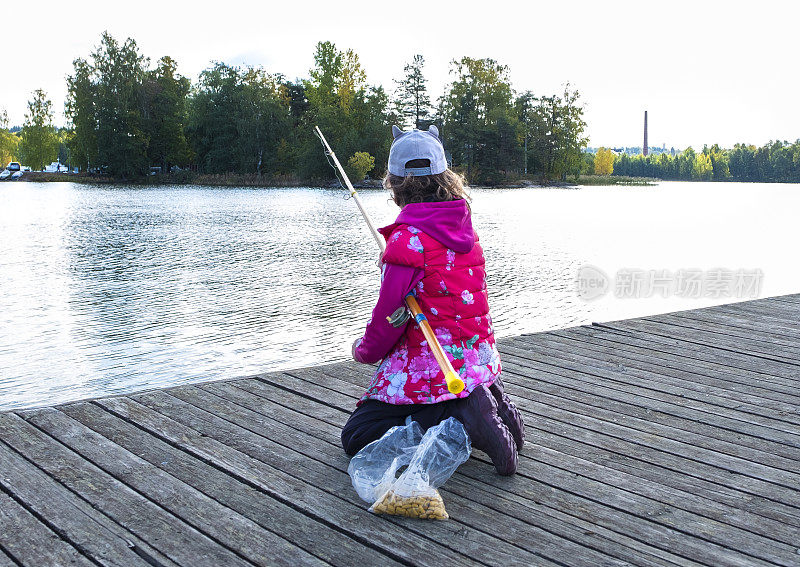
(433, 250)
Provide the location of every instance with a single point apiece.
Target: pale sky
(706, 71)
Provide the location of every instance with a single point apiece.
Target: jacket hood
(449, 222)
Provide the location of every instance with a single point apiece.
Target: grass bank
(615, 180)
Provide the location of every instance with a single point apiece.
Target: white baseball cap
(416, 144)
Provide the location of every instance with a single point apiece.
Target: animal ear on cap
(396, 131)
(433, 130)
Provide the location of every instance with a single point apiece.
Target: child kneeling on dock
(433, 251)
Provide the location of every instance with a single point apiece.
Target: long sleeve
(380, 335)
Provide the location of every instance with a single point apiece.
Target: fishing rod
(455, 385)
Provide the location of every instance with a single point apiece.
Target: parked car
(5, 174)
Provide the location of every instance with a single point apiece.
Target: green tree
(565, 141)
(39, 144)
(121, 138)
(262, 121)
(165, 93)
(353, 116)
(480, 124)
(412, 102)
(211, 126)
(80, 110)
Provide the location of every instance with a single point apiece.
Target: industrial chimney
(644, 146)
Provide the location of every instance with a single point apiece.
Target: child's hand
(356, 344)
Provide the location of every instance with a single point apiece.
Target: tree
(359, 164)
(80, 110)
(353, 116)
(121, 139)
(165, 93)
(352, 80)
(604, 162)
(480, 125)
(566, 139)
(39, 144)
(412, 103)
(262, 120)
(702, 170)
(8, 142)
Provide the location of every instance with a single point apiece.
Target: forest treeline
(776, 161)
(126, 116)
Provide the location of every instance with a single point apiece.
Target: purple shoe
(487, 432)
(509, 413)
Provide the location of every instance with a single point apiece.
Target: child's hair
(445, 186)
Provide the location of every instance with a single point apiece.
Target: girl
(432, 251)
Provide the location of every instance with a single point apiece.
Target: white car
(5, 174)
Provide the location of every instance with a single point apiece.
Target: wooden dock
(664, 440)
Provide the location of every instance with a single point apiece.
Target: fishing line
(333, 166)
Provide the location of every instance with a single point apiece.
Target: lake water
(114, 289)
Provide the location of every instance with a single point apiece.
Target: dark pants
(373, 418)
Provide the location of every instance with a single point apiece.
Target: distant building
(644, 145)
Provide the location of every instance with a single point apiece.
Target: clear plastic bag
(430, 459)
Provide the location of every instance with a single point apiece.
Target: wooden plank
(771, 370)
(783, 415)
(743, 460)
(759, 384)
(666, 356)
(654, 466)
(637, 404)
(786, 326)
(611, 373)
(31, 542)
(6, 561)
(553, 520)
(224, 526)
(129, 509)
(746, 347)
(328, 498)
(637, 524)
(693, 322)
(770, 314)
(737, 320)
(71, 517)
(317, 538)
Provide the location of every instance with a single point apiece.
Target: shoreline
(252, 180)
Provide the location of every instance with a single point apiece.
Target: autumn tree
(39, 144)
(8, 142)
(604, 162)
